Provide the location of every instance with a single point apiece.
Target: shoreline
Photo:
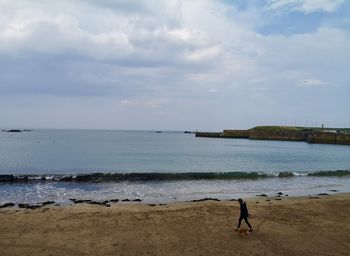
(290, 226)
(127, 201)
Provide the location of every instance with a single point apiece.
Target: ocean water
(58, 153)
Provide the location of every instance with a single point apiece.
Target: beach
(282, 226)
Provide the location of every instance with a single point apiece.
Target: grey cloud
(113, 60)
(46, 75)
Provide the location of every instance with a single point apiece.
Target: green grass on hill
(295, 129)
(277, 128)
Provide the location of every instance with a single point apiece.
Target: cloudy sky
(174, 64)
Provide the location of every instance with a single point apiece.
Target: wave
(156, 176)
(337, 173)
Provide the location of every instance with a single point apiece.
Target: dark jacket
(244, 209)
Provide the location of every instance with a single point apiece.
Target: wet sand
(290, 226)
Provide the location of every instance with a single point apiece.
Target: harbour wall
(209, 134)
(307, 136)
(329, 138)
(239, 134)
(282, 135)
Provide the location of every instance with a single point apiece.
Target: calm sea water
(81, 151)
(87, 151)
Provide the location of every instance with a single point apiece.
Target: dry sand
(291, 226)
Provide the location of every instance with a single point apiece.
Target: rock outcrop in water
(27, 206)
(103, 203)
(7, 205)
(13, 130)
(206, 199)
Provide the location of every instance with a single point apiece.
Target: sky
(174, 64)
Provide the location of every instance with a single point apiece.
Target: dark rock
(7, 178)
(32, 207)
(278, 198)
(233, 199)
(7, 205)
(48, 203)
(27, 130)
(29, 206)
(313, 197)
(285, 195)
(323, 194)
(114, 200)
(256, 202)
(280, 193)
(268, 200)
(137, 200)
(334, 190)
(126, 200)
(205, 199)
(78, 201)
(13, 130)
(152, 204)
(262, 195)
(161, 204)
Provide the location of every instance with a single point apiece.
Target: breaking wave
(157, 176)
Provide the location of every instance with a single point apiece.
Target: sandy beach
(289, 226)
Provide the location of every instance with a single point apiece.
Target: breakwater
(307, 135)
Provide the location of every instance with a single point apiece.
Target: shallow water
(168, 191)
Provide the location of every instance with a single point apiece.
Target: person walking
(243, 215)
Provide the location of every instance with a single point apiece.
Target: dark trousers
(246, 221)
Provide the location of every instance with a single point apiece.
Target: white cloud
(204, 54)
(189, 36)
(41, 33)
(306, 6)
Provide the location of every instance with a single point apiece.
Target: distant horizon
(163, 130)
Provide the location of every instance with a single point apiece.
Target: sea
(162, 166)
